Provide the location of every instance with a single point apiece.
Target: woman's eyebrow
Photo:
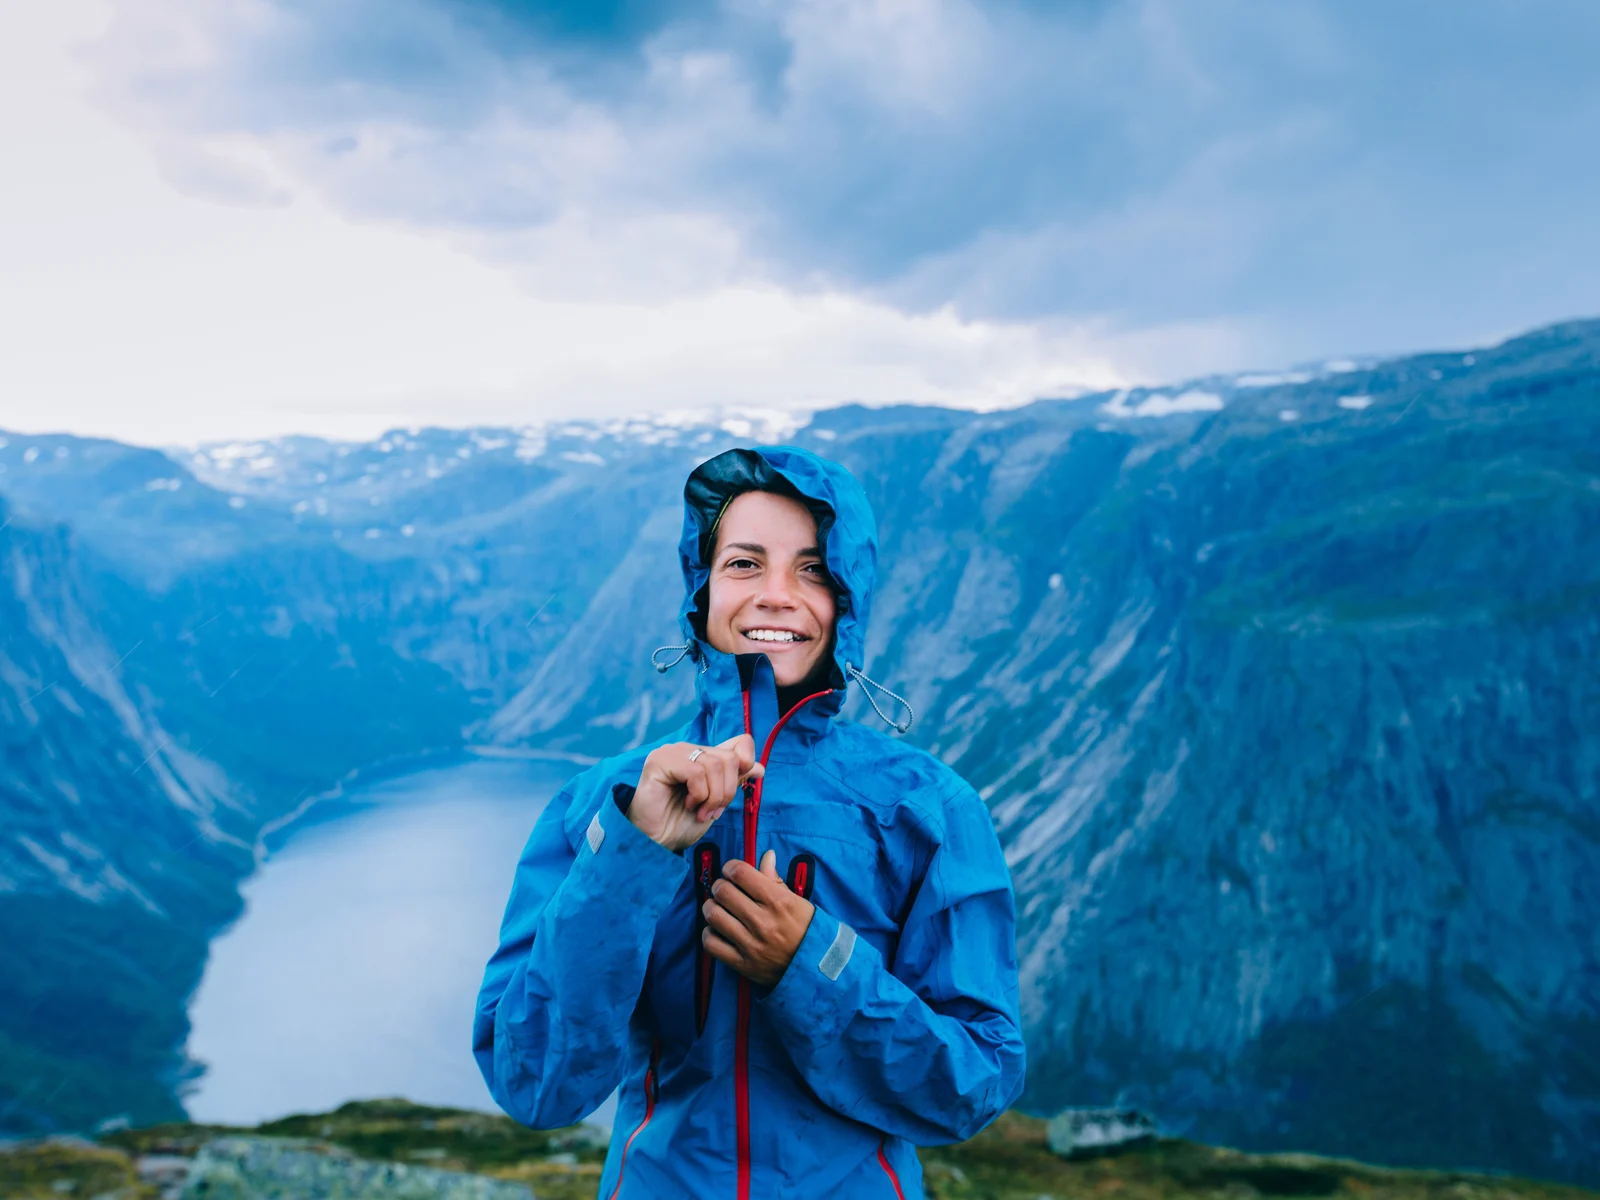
(753, 548)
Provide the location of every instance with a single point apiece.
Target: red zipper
(883, 1161)
(741, 1044)
(649, 1109)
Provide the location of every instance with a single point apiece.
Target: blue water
(353, 971)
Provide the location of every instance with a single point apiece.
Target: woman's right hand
(681, 793)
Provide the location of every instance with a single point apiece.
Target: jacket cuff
(618, 864)
(818, 992)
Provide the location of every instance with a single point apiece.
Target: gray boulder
(246, 1168)
(1085, 1132)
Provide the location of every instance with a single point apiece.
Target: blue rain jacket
(895, 1025)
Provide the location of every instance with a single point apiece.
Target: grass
(1011, 1160)
(50, 1170)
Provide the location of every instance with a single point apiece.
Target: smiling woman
(830, 979)
(770, 589)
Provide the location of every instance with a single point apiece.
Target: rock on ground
(1075, 1132)
(272, 1169)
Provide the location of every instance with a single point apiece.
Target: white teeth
(771, 635)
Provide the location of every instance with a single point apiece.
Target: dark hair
(712, 486)
(715, 483)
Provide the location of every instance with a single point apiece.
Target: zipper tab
(803, 875)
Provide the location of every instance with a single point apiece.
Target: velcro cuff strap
(838, 954)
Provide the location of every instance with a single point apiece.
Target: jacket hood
(845, 525)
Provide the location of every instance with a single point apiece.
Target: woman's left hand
(754, 923)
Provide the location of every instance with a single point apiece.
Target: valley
(1283, 692)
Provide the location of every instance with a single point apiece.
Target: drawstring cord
(684, 651)
(856, 673)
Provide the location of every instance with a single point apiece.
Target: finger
(671, 763)
(728, 925)
(751, 895)
(707, 793)
(747, 911)
(744, 749)
(752, 882)
(662, 763)
(726, 774)
(721, 949)
(769, 865)
(696, 784)
(723, 771)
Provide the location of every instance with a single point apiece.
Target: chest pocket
(846, 875)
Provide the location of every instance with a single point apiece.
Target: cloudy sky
(236, 217)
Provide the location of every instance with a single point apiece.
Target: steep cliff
(1291, 729)
(119, 854)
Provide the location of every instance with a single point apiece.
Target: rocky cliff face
(119, 851)
(1283, 692)
(1297, 766)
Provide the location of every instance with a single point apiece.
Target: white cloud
(278, 229)
(129, 309)
(1169, 161)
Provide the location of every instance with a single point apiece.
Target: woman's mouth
(778, 636)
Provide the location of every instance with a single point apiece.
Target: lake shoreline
(355, 963)
(274, 834)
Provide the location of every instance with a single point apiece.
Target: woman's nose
(776, 592)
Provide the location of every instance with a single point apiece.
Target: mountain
(119, 857)
(1282, 690)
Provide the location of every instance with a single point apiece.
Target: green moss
(50, 1170)
(454, 1140)
(1011, 1160)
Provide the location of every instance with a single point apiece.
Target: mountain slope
(1283, 692)
(118, 857)
(1297, 768)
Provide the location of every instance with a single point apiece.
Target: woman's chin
(787, 674)
(790, 664)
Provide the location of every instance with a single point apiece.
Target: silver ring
(696, 753)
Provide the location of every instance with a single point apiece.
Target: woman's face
(769, 588)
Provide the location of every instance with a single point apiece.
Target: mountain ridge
(1278, 692)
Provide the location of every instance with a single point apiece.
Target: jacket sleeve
(928, 1048)
(551, 1028)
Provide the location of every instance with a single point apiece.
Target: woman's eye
(740, 564)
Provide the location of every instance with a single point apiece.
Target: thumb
(769, 864)
(744, 749)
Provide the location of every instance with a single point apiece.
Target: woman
(772, 1035)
